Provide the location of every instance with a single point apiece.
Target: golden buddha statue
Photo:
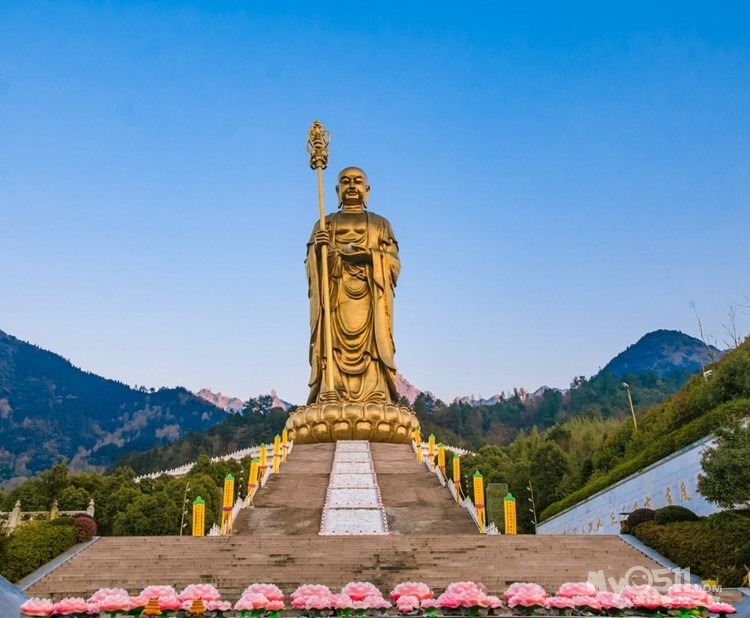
(352, 394)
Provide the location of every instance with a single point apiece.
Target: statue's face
(352, 188)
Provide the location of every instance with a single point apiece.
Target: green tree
(73, 499)
(726, 475)
(153, 515)
(548, 468)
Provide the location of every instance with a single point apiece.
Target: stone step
(432, 540)
(233, 563)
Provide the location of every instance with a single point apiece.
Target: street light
(630, 401)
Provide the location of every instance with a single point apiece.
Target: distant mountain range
(50, 410)
(235, 404)
(663, 352)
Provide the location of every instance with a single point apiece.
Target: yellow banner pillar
(441, 459)
(457, 477)
(284, 440)
(479, 500)
(199, 517)
(227, 504)
(252, 479)
(263, 456)
(418, 441)
(509, 508)
(276, 454)
(431, 447)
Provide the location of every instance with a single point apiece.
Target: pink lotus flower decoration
(414, 589)
(341, 601)
(112, 600)
(558, 603)
(319, 603)
(466, 588)
(534, 590)
(468, 595)
(167, 596)
(612, 600)
(378, 603)
(38, 607)
(105, 592)
(71, 605)
(721, 608)
(251, 600)
(303, 596)
(693, 591)
(651, 601)
(407, 604)
(217, 606)
(525, 595)
(577, 589)
(684, 602)
(270, 591)
(206, 592)
(629, 592)
(586, 602)
(359, 591)
(260, 598)
(448, 600)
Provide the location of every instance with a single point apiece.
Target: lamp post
(630, 401)
(185, 499)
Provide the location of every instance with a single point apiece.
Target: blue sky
(561, 180)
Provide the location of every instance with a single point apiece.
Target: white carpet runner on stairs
(353, 505)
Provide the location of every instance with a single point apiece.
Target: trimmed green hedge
(636, 518)
(32, 545)
(656, 450)
(709, 551)
(673, 513)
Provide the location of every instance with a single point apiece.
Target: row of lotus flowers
(358, 599)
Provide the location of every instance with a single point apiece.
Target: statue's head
(352, 188)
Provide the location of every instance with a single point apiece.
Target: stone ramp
(232, 563)
(292, 501)
(414, 500)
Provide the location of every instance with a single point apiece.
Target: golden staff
(318, 139)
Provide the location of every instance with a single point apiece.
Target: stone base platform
(352, 420)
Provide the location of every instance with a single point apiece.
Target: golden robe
(361, 293)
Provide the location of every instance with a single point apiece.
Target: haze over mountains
(50, 410)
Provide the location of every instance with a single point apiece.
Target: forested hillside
(257, 423)
(51, 410)
(704, 404)
(576, 457)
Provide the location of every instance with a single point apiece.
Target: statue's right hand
(322, 237)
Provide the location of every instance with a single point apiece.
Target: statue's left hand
(355, 253)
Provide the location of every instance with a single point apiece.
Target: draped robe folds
(361, 294)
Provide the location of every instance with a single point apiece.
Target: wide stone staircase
(431, 539)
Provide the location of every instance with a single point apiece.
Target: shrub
(734, 522)
(742, 557)
(85, 526)
(670, 514)
(32, 545)
(693, 544)
(636, 518)
(62, 521)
